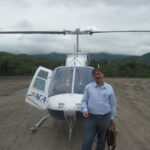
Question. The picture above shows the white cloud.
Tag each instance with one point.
(69, 15)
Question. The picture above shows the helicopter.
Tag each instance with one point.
(60, 91)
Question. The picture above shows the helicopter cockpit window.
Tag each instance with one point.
(83, 76)
(61, 81)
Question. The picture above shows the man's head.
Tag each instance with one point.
(98, 75)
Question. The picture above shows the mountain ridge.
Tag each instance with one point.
(96, 56)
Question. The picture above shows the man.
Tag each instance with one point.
(99, 109)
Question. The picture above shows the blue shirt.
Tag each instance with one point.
(99, 100)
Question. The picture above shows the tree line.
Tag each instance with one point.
(25, 65)
(130, 68)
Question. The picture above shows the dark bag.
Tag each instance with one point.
(111, 139)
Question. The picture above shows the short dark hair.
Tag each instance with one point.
(95, 70)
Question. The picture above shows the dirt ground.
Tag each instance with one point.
(16, 117)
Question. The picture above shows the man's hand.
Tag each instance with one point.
(86, 114)
(112, 125)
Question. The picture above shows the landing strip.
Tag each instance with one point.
(16, 117)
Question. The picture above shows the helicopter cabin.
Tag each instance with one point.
(70, 80)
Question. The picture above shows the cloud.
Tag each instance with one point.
(15, 3)
(69, 15)
(23, 25)
(126, 3)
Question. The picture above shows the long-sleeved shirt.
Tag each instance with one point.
(99, 100)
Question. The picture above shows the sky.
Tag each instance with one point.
(59, 15)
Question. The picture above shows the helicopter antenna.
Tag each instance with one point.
(88, 59)
(74, 49)
(74, 54)
(77, 40)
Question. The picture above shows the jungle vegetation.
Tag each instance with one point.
(26, 65)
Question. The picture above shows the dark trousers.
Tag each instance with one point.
(95, 125)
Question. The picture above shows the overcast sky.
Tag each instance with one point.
(70, 15)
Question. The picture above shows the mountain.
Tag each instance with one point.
(96, 56)
(144, 58)
(5, 53)
(52, 56)
(106, 56)
(101, 56)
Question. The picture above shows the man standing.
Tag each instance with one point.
(99, 109)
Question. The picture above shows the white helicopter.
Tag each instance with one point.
(60, 91)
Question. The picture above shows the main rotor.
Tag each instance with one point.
(76, 32)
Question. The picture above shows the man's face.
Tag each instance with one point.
(98, 76)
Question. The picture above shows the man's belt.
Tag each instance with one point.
(98, 115)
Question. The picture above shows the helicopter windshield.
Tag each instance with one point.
(62, 80)
(83, 76)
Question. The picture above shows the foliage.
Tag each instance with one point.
(14, 65)
(25, 65)
(130, 68)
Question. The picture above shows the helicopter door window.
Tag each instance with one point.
(83, 76)
(43, 74)
(40, 80)
(39, 84)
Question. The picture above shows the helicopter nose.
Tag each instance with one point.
(65, 102)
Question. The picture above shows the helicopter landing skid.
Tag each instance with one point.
(70, 122)
(38, 124)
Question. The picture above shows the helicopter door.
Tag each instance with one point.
(37, 94)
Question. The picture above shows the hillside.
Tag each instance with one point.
(112, 65)
(106, 56)
(102, 56)
(95, 56)
(52, 56)
(5, 53)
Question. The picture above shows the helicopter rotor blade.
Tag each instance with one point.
(35, 32)
(64, 32)
(112, 31)
(119, 31)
